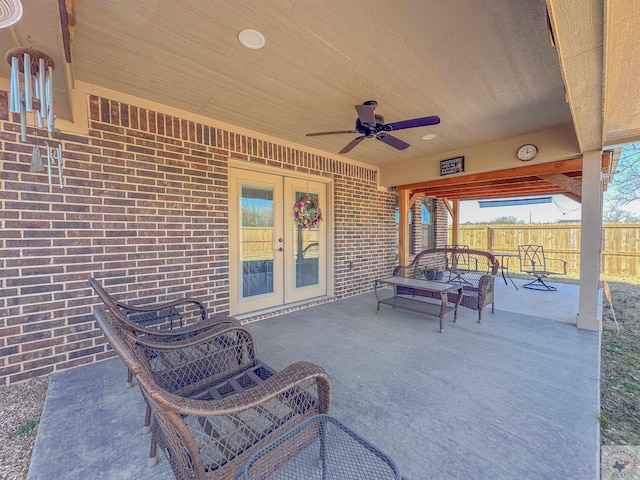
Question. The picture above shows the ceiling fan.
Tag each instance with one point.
(370, 125)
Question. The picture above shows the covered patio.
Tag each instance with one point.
(165, 118)
(513, 397)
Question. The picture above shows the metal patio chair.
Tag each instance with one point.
(534, 262)
(460, 262)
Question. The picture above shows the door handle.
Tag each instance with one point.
(281, 249)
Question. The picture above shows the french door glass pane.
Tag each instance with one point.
(306, 243)
(256, 237)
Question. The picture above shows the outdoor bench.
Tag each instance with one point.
(475, 270)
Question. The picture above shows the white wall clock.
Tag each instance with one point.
(527, 152)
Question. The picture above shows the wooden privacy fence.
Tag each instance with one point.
(620, 248)
(257, 242)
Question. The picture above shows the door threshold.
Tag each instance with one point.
(254, 316)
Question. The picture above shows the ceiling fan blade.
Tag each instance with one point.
(366, 115)
(330, 133)
(352, 144)
(392, 141)
(415, 122)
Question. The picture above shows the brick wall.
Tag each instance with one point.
(144, 208)
(440, 224)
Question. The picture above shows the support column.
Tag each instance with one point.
(403, 227)
(590, 242)
(455, 219)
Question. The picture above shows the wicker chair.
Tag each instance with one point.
(164, 322)
(213, 403)
(475, 270)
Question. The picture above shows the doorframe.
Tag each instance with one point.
(327, 216)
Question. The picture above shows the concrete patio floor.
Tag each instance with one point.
(515, 397)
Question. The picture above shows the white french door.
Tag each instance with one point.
(272, 260)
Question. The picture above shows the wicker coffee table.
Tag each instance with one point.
(319, 448)
(420, 304)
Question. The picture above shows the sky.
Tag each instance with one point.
(561, 208)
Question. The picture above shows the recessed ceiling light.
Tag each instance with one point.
(429, 136)
(251, 39)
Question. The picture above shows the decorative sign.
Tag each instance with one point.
(451, 165)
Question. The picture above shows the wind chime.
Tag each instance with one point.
(34, 95)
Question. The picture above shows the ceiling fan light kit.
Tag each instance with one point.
(370, 125)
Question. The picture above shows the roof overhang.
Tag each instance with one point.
(561, 177)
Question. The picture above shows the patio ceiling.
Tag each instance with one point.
(488, 69)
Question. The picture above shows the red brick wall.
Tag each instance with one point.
(441, 224)
(144, 208)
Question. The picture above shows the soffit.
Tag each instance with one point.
(486, 68)
(622, 71)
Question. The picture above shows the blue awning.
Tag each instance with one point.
(512, 202)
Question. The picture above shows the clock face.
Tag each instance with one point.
(527, 152)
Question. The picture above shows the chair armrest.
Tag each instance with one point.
(563, 262)
(170, 335)
(196, 337)
(164, 306)
(485, 284)
(281, 383)
(403, 271)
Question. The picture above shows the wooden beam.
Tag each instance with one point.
(413, 198)
(571, 185)
(548, 168)
(484, 193)
(64, 24)
(446, 204)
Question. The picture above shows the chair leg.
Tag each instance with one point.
(538, 284)
(153, 456)
(129, 379)
(147, 421)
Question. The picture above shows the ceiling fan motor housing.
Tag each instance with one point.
(370, 130)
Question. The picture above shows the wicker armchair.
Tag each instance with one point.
(475, 270)
(164, 322)
(213, 403)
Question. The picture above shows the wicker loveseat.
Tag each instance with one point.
(475, 270)
(213, 404)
